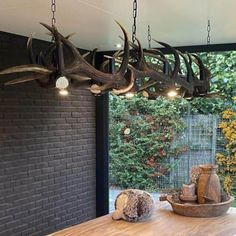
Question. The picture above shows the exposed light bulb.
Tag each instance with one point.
(189, 98)
(62, 82)
(145, 94)
(63, 92)
(129, 95)
(118, 45)
(172, 93)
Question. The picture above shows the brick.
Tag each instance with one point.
(28, 231)
(6, 232)
(6, 219)
(21, 214)
(20, 228)
(34, 172)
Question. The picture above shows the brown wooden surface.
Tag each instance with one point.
(163, 223)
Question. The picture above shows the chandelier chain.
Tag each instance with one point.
(149, 37)
(53, 9)
(134, 27)
(208, 32)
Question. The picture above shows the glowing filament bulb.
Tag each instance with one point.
(63, 92)
(129, 95)
(172, 93)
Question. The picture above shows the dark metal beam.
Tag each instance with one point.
(102, 189)
(102, 148)
(196, 48)
(205, 48)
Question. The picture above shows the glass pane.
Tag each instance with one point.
(155, 144)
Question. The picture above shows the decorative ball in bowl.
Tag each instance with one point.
(133, 205)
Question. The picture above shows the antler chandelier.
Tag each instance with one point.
(146, 71)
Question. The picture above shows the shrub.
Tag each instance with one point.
(227, 159)
(141, 137)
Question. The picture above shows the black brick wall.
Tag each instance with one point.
(47, 153)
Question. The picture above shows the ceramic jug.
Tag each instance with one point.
(188, 193)
(209, 190)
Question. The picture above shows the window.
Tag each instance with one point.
(154, 144)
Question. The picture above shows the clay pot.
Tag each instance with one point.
(209, 190)
(188, 193)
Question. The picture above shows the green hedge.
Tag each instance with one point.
(141, 137)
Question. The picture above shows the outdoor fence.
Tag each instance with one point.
(202, 139)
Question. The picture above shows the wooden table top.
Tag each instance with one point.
(164, 222)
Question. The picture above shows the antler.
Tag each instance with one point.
(103, 81)
(134, 71)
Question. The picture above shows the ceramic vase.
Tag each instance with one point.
(188, 193)
(208, 190)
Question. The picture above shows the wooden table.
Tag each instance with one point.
(163, 223)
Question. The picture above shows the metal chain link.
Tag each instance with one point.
(134, 26)
(208, 32)
(149, 37)
(53, 9)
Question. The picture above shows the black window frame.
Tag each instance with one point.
(102, 126)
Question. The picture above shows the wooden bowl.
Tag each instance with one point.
(200, 210)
